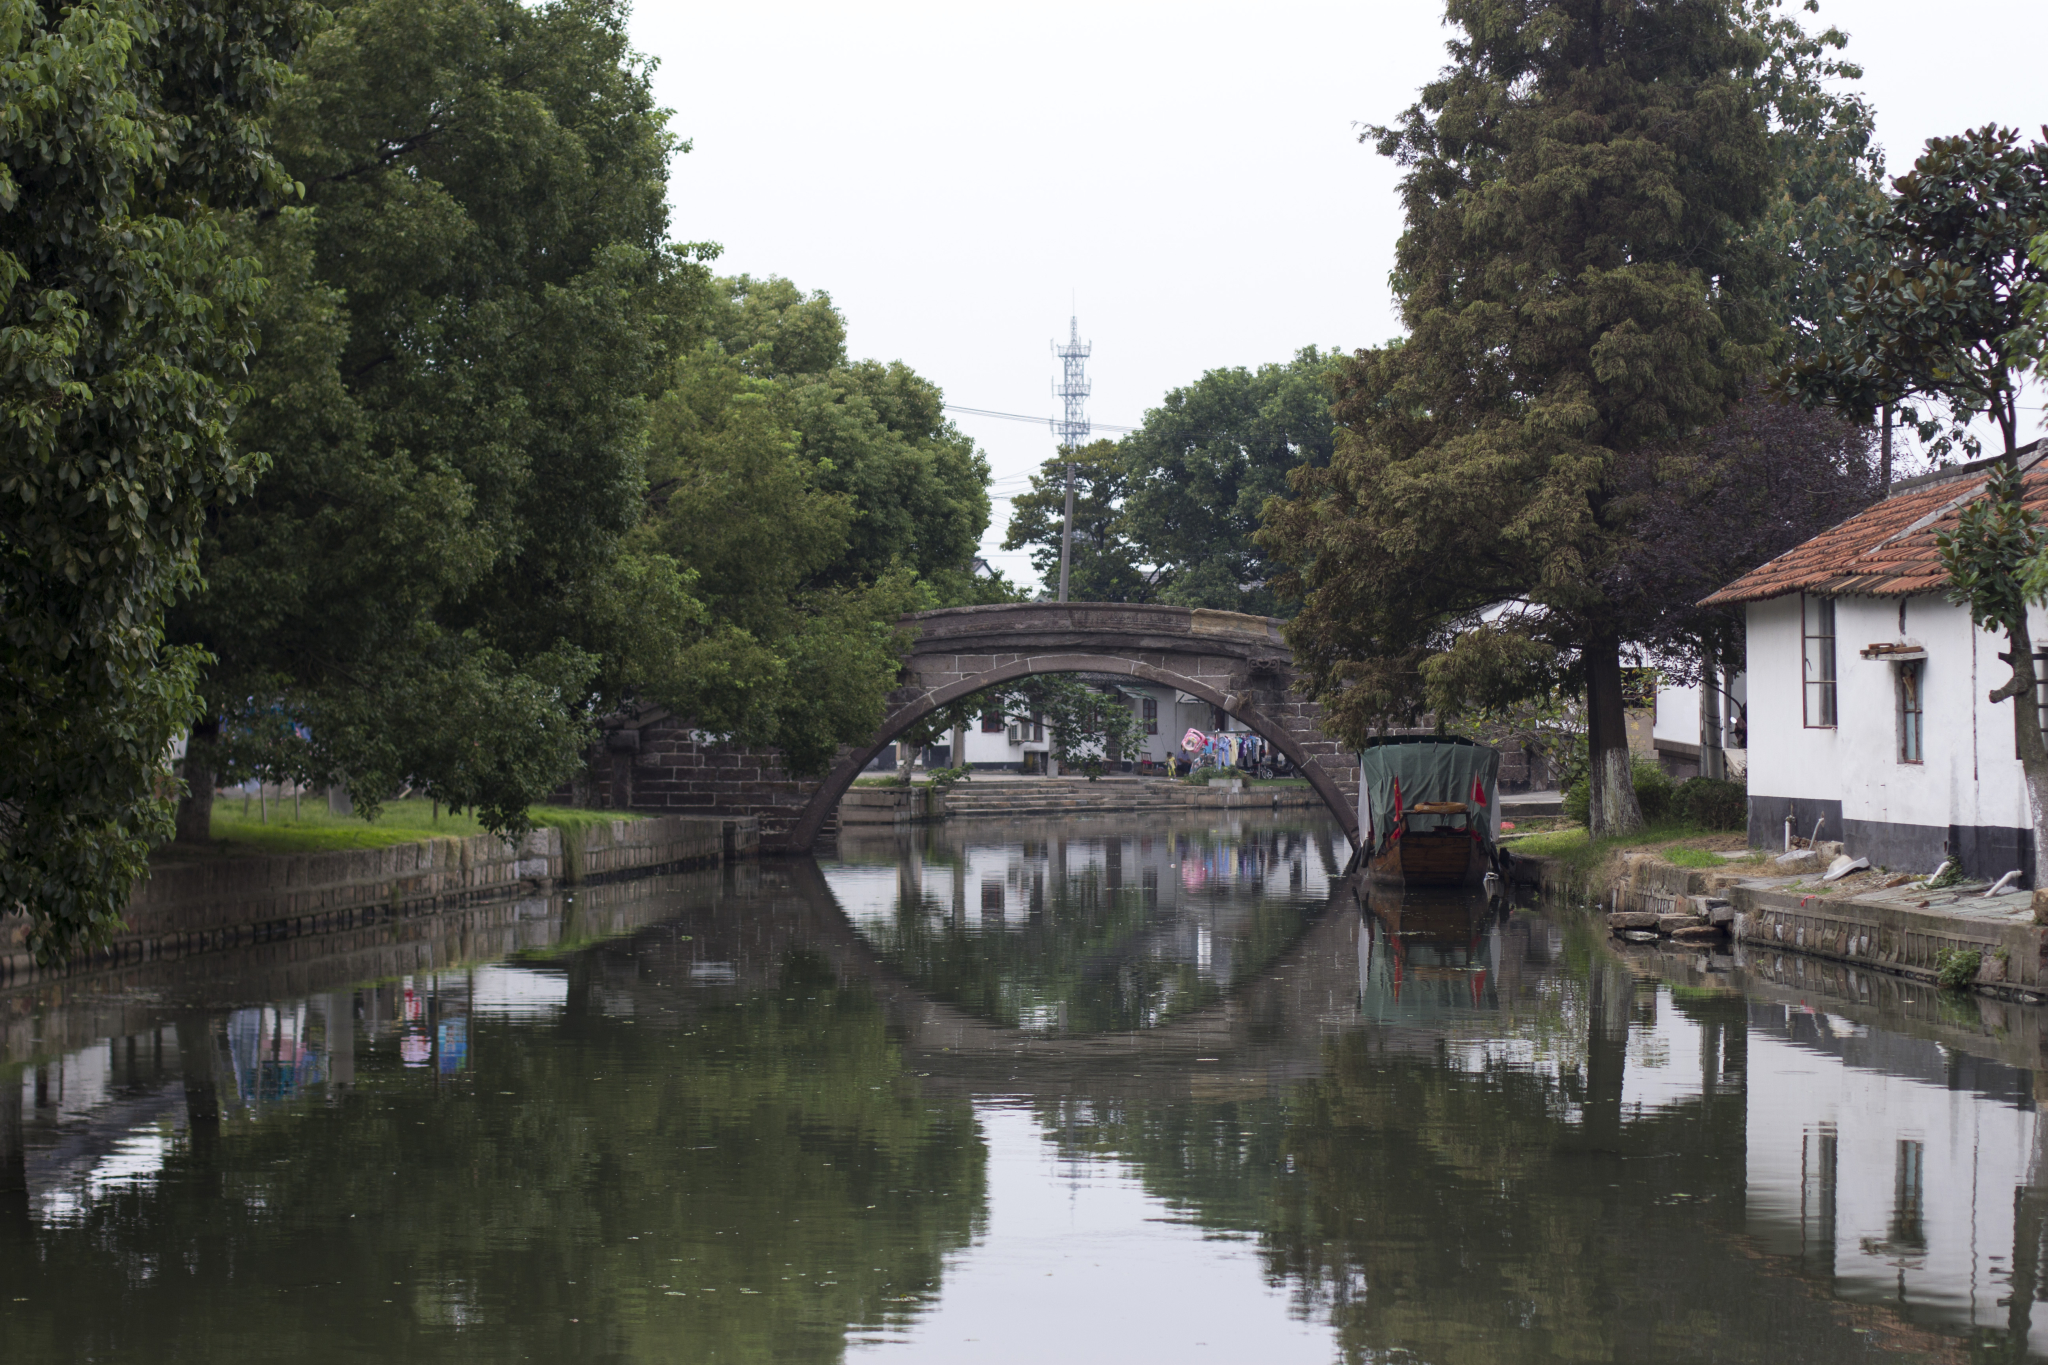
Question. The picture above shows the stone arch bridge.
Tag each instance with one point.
(653, 761)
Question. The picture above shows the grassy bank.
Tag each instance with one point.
(1592, 859)
(316, 830)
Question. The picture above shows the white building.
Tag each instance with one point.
(1021, 744)
(1868, 691)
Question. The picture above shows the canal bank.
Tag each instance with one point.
(987, 1091)
(208, 900)
(1871, 920)
(999, 797)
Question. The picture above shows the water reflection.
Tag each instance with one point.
(1040, 926)
(1113, 1093)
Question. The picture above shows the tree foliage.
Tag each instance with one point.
(430, 584)
(1204, 464)
(812, 500)
(1106, 565)
(1170, 513)
(130, 131)
(1942, 310)
(1704, 509)
(1581, 278)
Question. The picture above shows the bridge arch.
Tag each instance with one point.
(1342, 804)
(654, 761)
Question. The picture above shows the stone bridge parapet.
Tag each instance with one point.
(654, 761)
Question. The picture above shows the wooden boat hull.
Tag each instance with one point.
(1435, 858)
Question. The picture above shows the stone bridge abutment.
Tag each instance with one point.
(655, 762)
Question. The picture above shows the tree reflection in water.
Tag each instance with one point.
(737, 1123)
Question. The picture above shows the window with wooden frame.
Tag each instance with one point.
(2040, 694)
(1149, 713)
(991, 722)
(1911, 728)
(1817, 632)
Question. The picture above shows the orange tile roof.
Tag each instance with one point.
(1887, 550)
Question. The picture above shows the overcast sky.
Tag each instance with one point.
(1186, 178)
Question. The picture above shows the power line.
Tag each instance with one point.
(1052, 422)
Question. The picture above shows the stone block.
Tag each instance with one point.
(1698, 933)
(1632, 919)
(1671, 924)
(1797, 861)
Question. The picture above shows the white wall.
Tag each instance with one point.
(1969, 776)
(1678, 714)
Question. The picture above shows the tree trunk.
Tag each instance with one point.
(195, 807)
(1884, 459)
(1610, 771)
(2022, 691)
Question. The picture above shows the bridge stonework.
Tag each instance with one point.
(655, 762)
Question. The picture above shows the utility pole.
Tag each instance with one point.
(1072, 427)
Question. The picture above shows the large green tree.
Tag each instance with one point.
(1202, 467)
(812, 500)
(130, 130)
(1942, 310)
(1170, 512)
(1105, 565)
(1581, 277)
(433, 583)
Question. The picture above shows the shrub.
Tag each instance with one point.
(1653, 794)
(1957, 967)
(1711, 803)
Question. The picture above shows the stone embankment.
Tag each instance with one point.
(210, 902)
(1890, 924)
(1011, 797)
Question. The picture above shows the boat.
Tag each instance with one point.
(1430, 810)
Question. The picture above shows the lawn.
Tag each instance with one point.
(1685, 845)
(315, 830)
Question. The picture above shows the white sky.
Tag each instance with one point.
(1186, 177)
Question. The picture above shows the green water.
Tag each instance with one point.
(1118, 1091)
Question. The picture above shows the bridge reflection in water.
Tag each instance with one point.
(1015, 1092)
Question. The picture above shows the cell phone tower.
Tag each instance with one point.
(1071, 427)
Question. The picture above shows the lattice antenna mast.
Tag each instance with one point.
(1071, 427)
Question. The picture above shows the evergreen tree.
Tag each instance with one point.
(1581, 276)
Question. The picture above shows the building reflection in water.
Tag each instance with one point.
(1443, 1131)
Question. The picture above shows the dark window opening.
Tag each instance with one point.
(1817, 631)
(1910, 717)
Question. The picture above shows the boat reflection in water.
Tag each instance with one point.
(1427, 950)
(1128, 1090)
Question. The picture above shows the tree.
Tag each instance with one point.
(1202, 467)
(1997, 564)
(1581, 279)
(1942, 313)
(1705, 509)
(1829, 170)
(433, 582)
(130, 133)
(872, 502)
(1105, 564)
(1089, 724)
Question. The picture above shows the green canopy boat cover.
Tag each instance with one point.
(1426, 768)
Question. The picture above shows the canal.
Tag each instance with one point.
(1140, 1089)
